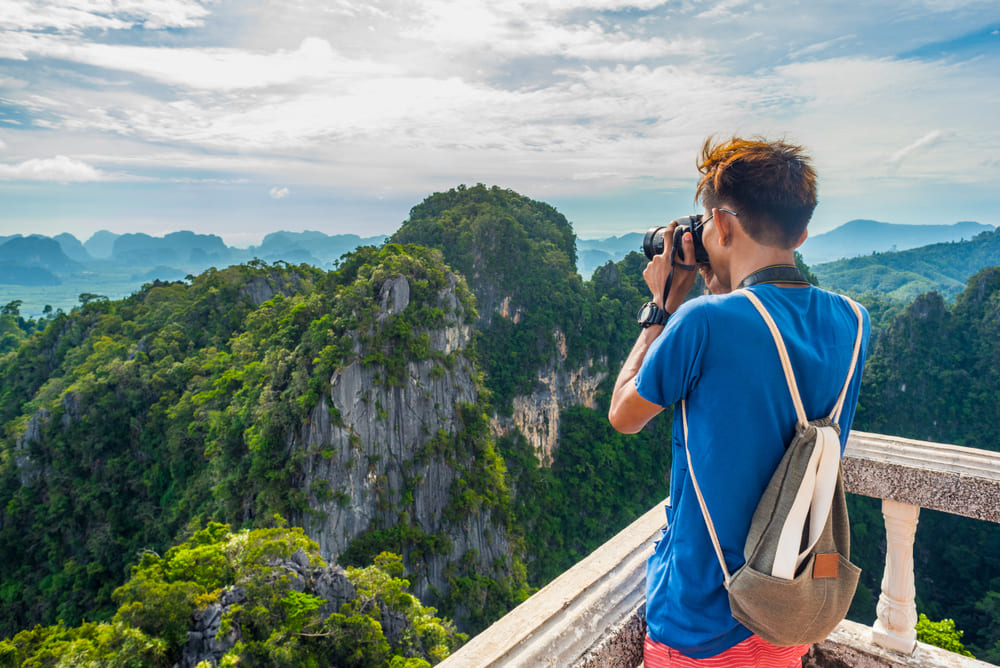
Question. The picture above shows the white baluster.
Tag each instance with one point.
(897, 612)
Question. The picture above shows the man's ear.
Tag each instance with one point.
(725, 225)
(802, 239)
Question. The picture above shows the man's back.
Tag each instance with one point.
(718, 354)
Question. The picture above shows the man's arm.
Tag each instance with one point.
(629, 412)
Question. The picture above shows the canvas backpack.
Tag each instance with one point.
(798, 580)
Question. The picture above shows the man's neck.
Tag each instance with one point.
(758, 257)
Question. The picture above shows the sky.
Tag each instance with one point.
(243, 117)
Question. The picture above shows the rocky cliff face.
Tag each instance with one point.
(536, 415)
(375, 450)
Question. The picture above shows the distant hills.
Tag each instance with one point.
(594, 253)
(944, 268)
(856, 237)
(54, 270)
(898, 261)
(863, 237)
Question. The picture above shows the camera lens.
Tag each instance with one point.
(652, 243)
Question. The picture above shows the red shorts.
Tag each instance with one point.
(754, 652)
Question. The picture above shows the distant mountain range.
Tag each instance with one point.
(854, 238)
(944, 268)
(117, 264)
(863, 237)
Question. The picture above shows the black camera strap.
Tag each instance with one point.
(777, 273)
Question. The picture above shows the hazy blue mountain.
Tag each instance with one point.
(116, 265)
(863, 237)
(100, 244)
(309, 246)
(15, 274)
(178, 248)
(594, 253)
(73, 248)
(37, 251)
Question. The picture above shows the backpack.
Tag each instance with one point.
(798, 580)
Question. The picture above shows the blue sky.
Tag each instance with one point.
(241, 117)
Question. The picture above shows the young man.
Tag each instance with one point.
(718, 354)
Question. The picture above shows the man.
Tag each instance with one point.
(717, 353)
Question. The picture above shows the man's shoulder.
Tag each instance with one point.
(797, 303)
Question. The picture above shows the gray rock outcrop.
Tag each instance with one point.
(375, 451)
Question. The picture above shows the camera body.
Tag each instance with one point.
(653, 242)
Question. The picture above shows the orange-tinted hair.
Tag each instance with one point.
(771, 185)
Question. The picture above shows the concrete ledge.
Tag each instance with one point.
(949, 478)
(587, 614)
(850, 646)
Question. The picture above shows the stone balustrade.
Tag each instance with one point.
(593, 614)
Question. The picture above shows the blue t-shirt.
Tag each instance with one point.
(718, 354)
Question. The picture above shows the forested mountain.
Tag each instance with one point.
(903, 275)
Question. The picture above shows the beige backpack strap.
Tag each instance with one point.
(786, 364)
(701, 500)
(839, 406)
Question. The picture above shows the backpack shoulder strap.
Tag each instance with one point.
(786, 364)
(839, 406)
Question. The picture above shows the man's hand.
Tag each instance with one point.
(656, 272)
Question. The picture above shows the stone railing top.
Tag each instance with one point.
(949, 478)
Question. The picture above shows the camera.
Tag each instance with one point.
(652, 243)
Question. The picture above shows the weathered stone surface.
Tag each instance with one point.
(393, 298)
(370, 437)
(949, 478)
(850, 646)
(621, 646)
(71, 409)
(28, 470)
(204, 642)
(260, 289)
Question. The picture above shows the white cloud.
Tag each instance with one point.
(279, 193)
(928, 139)
(60, 169)
(74, 16)
(209, 69)
(820, 46)
(515, 28)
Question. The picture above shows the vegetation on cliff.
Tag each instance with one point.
(126, 420)
(270, 613)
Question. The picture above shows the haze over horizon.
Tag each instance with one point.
(240, 119)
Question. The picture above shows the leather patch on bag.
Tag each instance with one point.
(826, 565)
